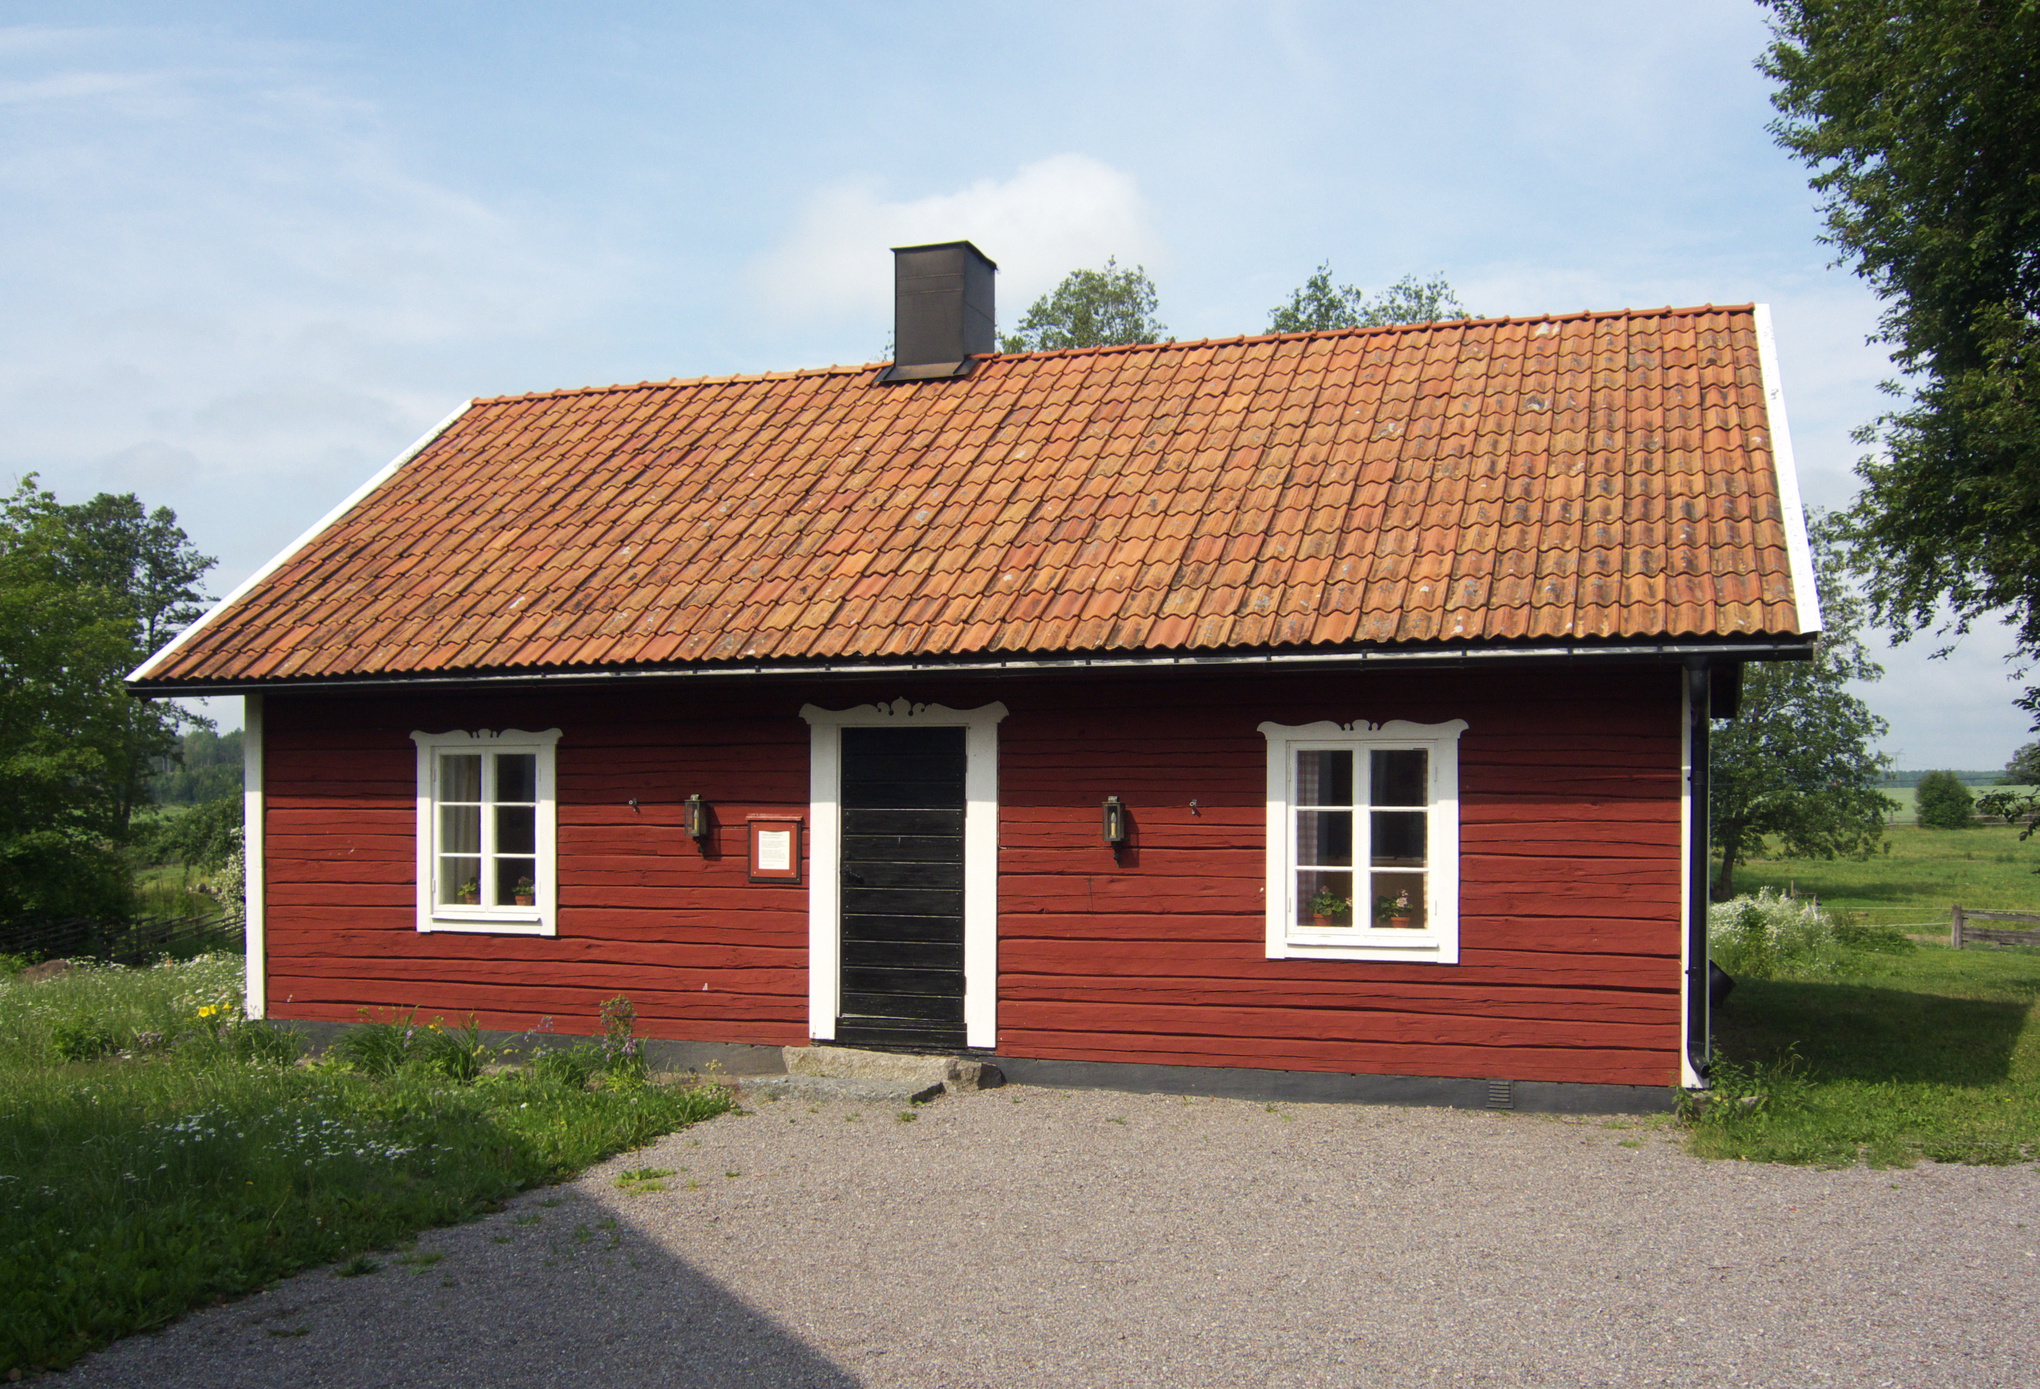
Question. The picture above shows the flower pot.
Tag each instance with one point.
(470, 899)
(1402, 923)
(1320, 919)
(525, 899)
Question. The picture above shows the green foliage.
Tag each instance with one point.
(1318, 304)
(1770, 936)
(1944, 802)
(1798, 761)
(206, 837)
(169, 1005)
(206, 767)
(1091, 308)
(1931, 1054)
(85, 593)
(207, 1168)
(2016, 807)
(1921, 121)
(2024, 768)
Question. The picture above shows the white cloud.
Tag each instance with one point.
(1049, 218)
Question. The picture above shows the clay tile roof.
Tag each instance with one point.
(1596, 477)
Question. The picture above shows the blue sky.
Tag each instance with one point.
(249, 252)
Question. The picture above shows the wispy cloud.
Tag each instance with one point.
(231, 290)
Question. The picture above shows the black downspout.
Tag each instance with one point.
(1698, 708)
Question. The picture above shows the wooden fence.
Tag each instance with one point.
(129, 940)
(1960, 931)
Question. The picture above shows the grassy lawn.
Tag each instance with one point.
(1926, 872)
(157, 1153)
(1893, 1058)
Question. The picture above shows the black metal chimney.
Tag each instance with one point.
(942, 310)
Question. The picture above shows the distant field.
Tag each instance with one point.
(1904, 795)
(1926, 872)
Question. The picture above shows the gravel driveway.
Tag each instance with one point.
(1033, 1237)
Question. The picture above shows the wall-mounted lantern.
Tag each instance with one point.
(1115, 822)
(697, 817)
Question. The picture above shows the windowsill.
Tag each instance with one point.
(520, 923)
(1420, 947)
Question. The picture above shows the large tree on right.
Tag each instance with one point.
(1921, 121)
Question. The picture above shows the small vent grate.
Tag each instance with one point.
(1501, 1094)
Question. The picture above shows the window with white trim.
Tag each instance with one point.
(1363, 841)
(486, 823)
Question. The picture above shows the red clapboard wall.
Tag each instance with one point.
(702, 952)
(1570, 872)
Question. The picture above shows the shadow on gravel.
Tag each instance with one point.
(575, 1297)
(1853, 1032)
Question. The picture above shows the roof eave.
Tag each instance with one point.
(1785, 647)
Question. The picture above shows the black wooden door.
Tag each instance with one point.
(902, 885)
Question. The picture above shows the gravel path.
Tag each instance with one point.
(1033, 1237)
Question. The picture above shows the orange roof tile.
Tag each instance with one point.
(1594, 477)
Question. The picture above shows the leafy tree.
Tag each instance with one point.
(1091, 308)
(206, 768)
(204, 838)
(1798, 762)
(83, 592)
(2024, 768)
(1921, 122)
(1318, 304)
(1944, 803)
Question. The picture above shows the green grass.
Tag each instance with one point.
(1932, 1054)
(173, 1172)
(1926, 872)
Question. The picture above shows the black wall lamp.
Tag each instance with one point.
(1115, 822)
(697, 817)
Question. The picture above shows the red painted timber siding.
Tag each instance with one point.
(704, 953)
(1570, 884)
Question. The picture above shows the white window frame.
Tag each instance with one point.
(542, 917)
(1438, 942)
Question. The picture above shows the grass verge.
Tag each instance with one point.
(153, 1160)
(1926, 872)
(1892, 1059)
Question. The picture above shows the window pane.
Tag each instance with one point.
(1398, 838)
(516, 776)
(1324, 837)
(514, 876)
(1324, 778)
(460, 777)
(460, 880)
(1399, 900)
(1324, 899)
(460, 829)
(516, 829)
(1401, 778)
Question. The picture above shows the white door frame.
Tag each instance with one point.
(980, 855)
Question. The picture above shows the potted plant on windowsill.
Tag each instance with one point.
(524, 893)
(1330, 909)
(1395, 912)
(470, 892)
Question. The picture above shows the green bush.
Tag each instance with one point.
(1943, 802)
(1769, 936)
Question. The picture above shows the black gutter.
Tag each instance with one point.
(1798, 648)
(1699, 1045)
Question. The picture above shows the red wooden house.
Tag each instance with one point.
(1329, 704)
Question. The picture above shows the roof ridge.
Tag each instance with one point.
(833, 369)
(1237, 339)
